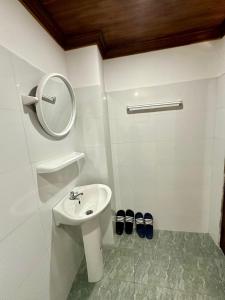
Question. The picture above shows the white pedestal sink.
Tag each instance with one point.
(85, 212)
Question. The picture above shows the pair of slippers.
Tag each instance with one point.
(124, 221)
(144, 224)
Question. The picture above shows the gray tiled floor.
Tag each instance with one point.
(173, 265)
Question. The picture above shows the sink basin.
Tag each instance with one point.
(85, 212)
(94, 200)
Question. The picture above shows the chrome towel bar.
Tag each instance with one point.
(136, 109)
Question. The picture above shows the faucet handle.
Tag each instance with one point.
(72, 195)
(75, 195)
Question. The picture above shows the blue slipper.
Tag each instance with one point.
(140, 227)
(148, 219)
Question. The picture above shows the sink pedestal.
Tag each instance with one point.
(93, 249)
(85, 213)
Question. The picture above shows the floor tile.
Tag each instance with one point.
(104, 290)
(143, 292)
(173, 265)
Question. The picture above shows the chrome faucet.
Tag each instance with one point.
(75, 196)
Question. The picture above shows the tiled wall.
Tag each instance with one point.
(162, 160)
(218, 162)
(92, 135)
(37, 259)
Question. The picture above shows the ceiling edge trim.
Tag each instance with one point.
(176, 40)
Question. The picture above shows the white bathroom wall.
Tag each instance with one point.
(221, 58)
(218, 152)
(85, 69)
(90, 135)
(23, 35)
(167, 66)
(162, 160)
(218, 157)
(38, 260)
(84, 66)
(47, 257)
(48, 267)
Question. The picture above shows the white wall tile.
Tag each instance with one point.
(13, 146)
(194, 124)
(198, 151)
(165, 175)
(51, 188)
(92, 137)
(8, 97)
(197, 95)
(220, 92)
(26, 76)
(217, 184)
(189, 174)
(131, 153)
(20, 252)
(166, 152)
(163, 67)
(36, 285)
(132, 130)
(220, 123)
(162, 161)
(166, 126)
(19, 198)
(89, 102)
(28, 241)
(36, 136)
(126, 187)
(94, 169)
(91, 130)
(218, 156)
(66, 255)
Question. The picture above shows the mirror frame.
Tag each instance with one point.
(39, 107)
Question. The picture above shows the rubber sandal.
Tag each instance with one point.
(129, 221)
(148, 219)
(120, 217)
(140, 227)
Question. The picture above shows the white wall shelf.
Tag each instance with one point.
(56, 164)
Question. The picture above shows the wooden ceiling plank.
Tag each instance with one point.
(164, 43)
(127, 27)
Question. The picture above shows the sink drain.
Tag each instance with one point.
(89, 212)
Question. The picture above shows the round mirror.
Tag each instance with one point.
(56, 106)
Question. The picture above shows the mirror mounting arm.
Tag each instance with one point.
(28, 100)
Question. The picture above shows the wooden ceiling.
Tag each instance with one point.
(123, 27)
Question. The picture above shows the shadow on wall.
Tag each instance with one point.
(31, 112)
(53, 185)
(65, 242)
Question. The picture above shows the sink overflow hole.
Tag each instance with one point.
(88, 212)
